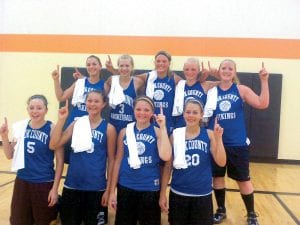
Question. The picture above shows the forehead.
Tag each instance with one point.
(125, 61)
(143, 104)
(228, 63)
(162, 57)
(92, 60)
(36, 101)
(190, 65)
(192, 106)
(94, 95)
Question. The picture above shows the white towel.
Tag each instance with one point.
(134, 161)
(116, 94)
(150, 83)
(82, 135)
(179, 98)
(179, 161)
(78, 94)
(211, 103)
(19, 129)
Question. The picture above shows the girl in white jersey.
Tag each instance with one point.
(36, 186)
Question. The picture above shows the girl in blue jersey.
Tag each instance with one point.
(160, 85)
(36, 186)
(230, 115)
(193, 87)
(85, 193)
(78, 91)
(190, 198)
(136, 170)
(121, 113)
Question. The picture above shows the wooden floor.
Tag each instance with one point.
(277, 198)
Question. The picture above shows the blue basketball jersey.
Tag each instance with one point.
(123, 113)
(146, 178)
(87, 170)
(80, 109)
(196, 179)
(39, 166)
(194, 91)
(164, 93)
(230, 115)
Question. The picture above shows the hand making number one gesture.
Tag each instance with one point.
(4, 128)
(160, 118)
(218, 130)
(63, 112)
(263, 73)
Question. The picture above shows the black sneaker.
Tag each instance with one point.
(220, 215)
(252, 219)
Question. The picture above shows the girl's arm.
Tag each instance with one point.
(111, 151)
(139, 85)
(59, 166)
(257, 101)
(112, 202)
(163, 142)
(58, 137)
(165, 178)
(7, 147)
(59, 93)
(216, 144)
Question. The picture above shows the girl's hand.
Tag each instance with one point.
(4, 128)
(213, 71)
(218, 130)
(160, 118)
(64, 111)
(55, 73)
(112, 201)
(263, 73)
(77, 74)
(52, 198)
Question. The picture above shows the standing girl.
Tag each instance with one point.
(190, 198)
(123, 90)
(136, 170)
(35, 191)
(229, 104)
(78, 91)
(192, 86)
(85, 193)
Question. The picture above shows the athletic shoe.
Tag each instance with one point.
(220, 215)
(252, 219)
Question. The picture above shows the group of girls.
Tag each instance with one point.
(127, 163)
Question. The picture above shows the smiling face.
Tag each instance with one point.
(125, 67)
(95, 103)
(162, 64)
(143, 111)
(192, 114)
(93, 66)
(191, 71)
(37, 110)
(227, 71)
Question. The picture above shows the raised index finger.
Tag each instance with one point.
(216, 121)
(76, 70)
(262, 65)
(109, 59)
(5, 121)
(161, 110)
(202, 66)
(57, 68)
